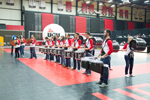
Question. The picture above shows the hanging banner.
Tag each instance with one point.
(0, 1)
(136, 14)
(121, 13)
(91, 9)
(68, 6)
(9, 2)
(140, 15)
(42, 4)
(126, 14)
(84, 8)
(110, 11)
(104, 10)
(32, 3)
(60, 5)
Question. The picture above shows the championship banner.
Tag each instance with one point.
(121, 13)
(140, 15)
(136, 14)
(42, 4)
(91, 9)
(84, 8)
(9, 2)
(0, 1)
(110, 11)
(126, 14)
(68, 6)
(32, 3)
(104, 10)
(60, 5)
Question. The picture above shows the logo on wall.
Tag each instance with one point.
(126, 14)
(32, 3)
(52, 30)
(68, 6)
(104, 10)
(60, 5)
(121, 13)
(84, 8)
(42, 4)
(140, 15)
(0, 1)
(9, 2)
(110, 11)
(136, 15)
(91, 9)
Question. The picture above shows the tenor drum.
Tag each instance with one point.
(68, 53)
(79, 54)
(116, 46)
(41, 49)
(59, 51)
(96, 66)
(85, 62)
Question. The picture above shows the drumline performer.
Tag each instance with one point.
(62, 42)
(17, 47)
(105, 53)
(47, 46)
(66, 46)
(32, 47)
(129, 58)
(57, 43)
(22, 46)
(52, 43)
(76, 46)
(88, 47)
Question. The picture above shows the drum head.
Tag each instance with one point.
(132, 44)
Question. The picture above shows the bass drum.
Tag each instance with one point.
(137, 44)
(116, 46)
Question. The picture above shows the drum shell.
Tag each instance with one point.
(116, 46)
(79, 55)
(45, 50)
(68, 54)
(53, 50)
(85, 64)
(59, 51)
(40, 49)
(96, 67)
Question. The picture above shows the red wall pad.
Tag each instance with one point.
(108, 24)
(47, 19)
(130, 25)
(80, 24)
(147, 25)
(14, 27)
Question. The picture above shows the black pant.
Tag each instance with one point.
(12, 47)
(17, 52)
(129, 62)
(32, 51)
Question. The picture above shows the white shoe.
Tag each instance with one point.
(78, 71)
(127, 75)
(23, 56)
(131, 75)
(103, 85)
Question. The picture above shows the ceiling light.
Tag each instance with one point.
(110, 1)
(101, 4)
(88, 2)
(146, 1)
(112, 5)
(71, 0)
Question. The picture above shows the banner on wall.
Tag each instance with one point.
(110, 11)
(140, 15)
(84, 8)
(0, 1)
(9, 2)
(60, 5)
(136, 14)
(42, 4)
(32, 3)
(126, 14)
(91, 9)
(121, 13)
(104, 10)
(68, 6)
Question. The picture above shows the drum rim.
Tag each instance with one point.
(96, 61)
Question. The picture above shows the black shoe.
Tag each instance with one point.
(30, 58)
(100, 82)
(73, 69)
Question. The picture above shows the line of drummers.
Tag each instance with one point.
(65, 49)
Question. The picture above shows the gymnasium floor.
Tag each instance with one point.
(26, 79)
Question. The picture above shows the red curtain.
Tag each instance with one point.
(108, 24)
(130, 25)
(14, 27)
(47, 19)
(147, 25)
(80, 24)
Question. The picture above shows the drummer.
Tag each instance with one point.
(105, 53)
(17, 47)
(76, 45)
(52, 43)
(32, 47)
(67, 46)
(88, 47)
(62, 42)
(22, 46)
(57, 43)
(46, 45)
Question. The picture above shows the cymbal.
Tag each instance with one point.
(12, 42)
(28, 40)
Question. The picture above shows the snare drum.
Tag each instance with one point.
(96, 66)
(41, 49)
(68, 53)
(45, 50)
(59, 51)
(53, 50)
(79, 54)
